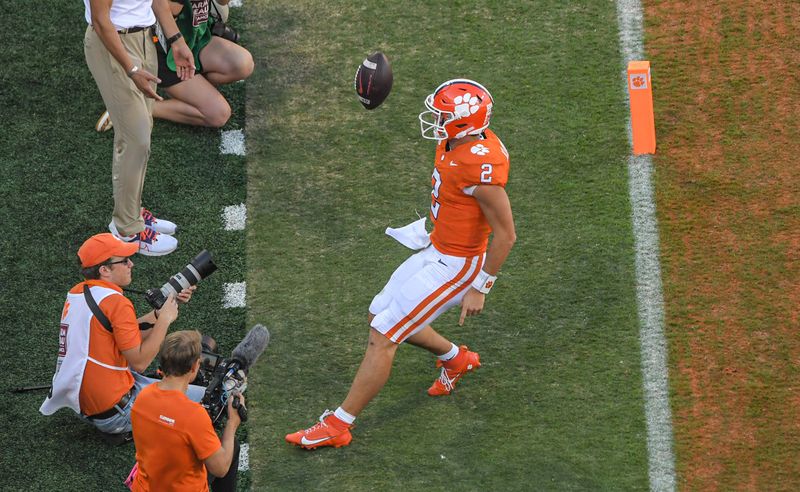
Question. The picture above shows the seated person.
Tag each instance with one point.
(174, 437)
(196, 101)
(103, 347)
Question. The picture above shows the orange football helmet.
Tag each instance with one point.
(457, 108)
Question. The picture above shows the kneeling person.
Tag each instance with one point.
(174, 437)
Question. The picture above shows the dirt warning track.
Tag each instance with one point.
(727, 103)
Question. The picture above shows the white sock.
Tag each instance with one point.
(450, 354)
(344, 416)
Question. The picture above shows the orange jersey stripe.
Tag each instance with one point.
(439, 304)
(429, 305)
(429, 299)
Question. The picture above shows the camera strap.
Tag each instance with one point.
(101, 317)
(218, 17)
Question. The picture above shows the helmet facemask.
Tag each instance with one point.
(433, 121)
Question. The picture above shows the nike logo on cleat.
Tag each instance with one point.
(309, 442)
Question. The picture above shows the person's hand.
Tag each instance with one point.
(233, 414)
(471, 304)
(142, 79)
(186, 294)
(169, 311)
(184, 59)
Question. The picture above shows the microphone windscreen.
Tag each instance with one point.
(251, 346)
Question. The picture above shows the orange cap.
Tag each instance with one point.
(101, 247)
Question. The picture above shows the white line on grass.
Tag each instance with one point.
(235, 3)
(232, 142)
(244, 457)
(649, 295)
(235, 217)
(234, 295)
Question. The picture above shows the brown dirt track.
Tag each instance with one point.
(727, 91)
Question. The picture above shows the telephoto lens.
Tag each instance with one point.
(199, 268)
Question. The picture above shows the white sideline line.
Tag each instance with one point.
(234, 295)
(232, 142)
(244, 457)
(235, 3)
(650, 298)
(235, 217)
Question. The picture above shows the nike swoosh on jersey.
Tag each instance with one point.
(453, 164)
(443, 263)
(308, 442)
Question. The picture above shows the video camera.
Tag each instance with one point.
(223, 377)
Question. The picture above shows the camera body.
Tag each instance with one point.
(222, 378)
(225, 31)
(199, 268)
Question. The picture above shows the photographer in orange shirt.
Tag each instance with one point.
(174, 437)
(103, 347)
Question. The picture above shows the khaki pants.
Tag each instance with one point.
(132, 115)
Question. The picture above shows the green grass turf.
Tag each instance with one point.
(56, 191)
(558, 403)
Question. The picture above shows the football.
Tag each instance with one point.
(373, 80)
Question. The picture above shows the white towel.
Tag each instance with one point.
(413, 236)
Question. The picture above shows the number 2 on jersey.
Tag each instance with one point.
(436, 182)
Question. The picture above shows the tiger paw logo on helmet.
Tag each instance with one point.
(479, 149)
(466, 105)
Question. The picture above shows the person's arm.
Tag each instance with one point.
(140, 357)
(221, 2)
(184, 58)
(107, 32)
(496, 207)
(175, 7)
(219, 463)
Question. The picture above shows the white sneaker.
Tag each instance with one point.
(161, 226)
(150, 242)
(104, 123)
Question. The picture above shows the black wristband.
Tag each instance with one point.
(174, 38)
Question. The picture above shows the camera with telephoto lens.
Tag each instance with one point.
(225, 31)
(199, 268)
(223, 377)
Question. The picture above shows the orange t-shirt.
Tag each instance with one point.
(173, 436)
(460, 228)
(102, 387)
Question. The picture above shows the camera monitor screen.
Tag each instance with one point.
(209, 360)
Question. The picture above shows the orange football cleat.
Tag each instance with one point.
(327, 432)
(453, 370)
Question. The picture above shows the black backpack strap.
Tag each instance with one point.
(101, 317)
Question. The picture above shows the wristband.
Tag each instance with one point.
(483, 282)
(174, 38)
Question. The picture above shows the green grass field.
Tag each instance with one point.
(57, 192)
(557, 404)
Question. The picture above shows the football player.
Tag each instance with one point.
(468, 202)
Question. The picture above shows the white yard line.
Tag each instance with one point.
(244, 457)
(235, 217)
(235, 3)
(649, 294)
(232, 142)
(234, 295)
